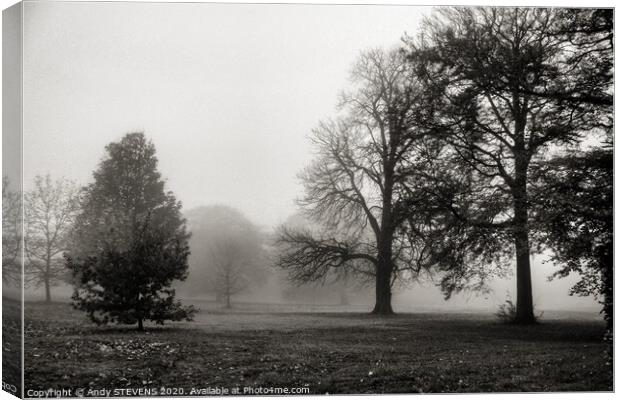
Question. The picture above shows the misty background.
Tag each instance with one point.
(228, 93)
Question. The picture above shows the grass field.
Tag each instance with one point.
(11, 345)
(323, 352)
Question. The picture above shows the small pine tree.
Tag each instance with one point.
(129, 241)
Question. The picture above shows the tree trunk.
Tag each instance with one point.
(608, 297)
(385, 236)
(228, 301)
(383, 301)
(383, 289)
(140, 325)
(48, 293)
(48, 265)
(525, 304)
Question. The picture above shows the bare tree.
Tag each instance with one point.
(230, 261)
(503, 74)
(11, 233)
(229, 253)
(236, 260)
(50, 208)
(358, 189)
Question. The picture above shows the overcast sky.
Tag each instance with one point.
(228, 93)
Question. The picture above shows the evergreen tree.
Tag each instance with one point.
(129, 242)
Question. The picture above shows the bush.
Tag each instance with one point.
(507, 312)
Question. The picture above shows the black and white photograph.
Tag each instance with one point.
(211, 199)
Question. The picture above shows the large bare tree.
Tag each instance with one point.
(357, 190)
(504, 78)
(50, 209)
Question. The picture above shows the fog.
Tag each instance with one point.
(228, 94)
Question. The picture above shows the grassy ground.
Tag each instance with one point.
(11, 345)
(324, 352)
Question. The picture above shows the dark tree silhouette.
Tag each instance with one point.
(577, 213)
(50, 208)
(358, 188)
(129, 242)
(501, 72)
(574, 217)
(574, 203)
